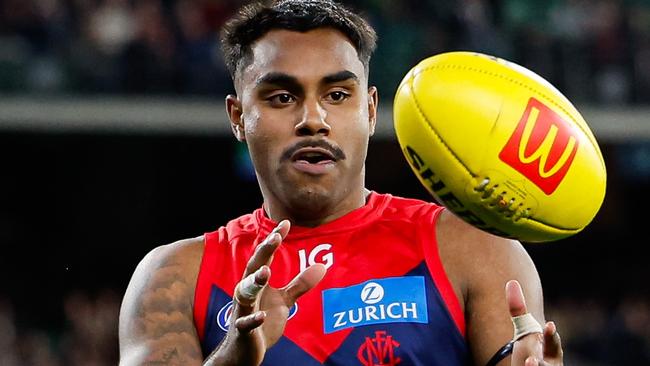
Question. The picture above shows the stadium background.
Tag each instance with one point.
(113, 140)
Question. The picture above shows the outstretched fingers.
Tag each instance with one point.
(524, 322)
(528, 348)
(255, 278)
(264, 251)
(536, 345)
(247, 290)
(248, 323)
(552, 343)
(244, 316)
(304, 281)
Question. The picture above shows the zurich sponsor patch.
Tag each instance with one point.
(386, 300)
(225, 313)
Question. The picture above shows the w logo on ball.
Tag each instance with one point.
(542, 146)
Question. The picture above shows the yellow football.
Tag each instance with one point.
(499, 146)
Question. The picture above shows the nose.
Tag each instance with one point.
(313, 120)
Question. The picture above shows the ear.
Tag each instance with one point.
(373, 102)
(234, 110)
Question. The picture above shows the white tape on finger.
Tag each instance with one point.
(248, 288)
(525, 325)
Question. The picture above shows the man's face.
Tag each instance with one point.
(306, 113)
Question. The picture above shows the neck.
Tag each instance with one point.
(311, 214)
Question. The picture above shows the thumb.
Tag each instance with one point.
(528, 348)
(305, 281)
(515, 298)
(523, 321)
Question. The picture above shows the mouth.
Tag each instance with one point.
(313, 160)
(313, 155)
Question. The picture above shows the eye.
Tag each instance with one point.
(338, 96)
(283, 98)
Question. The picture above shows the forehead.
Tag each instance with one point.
(305, 55)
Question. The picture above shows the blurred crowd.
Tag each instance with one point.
(593, 50)
(593, 334)
(88, 336)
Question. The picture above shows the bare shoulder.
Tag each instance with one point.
(479, 264)
(184, 255)
(473, 256)
(156, 317)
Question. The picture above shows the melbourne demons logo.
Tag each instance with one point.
(379, 350)
(542, 147)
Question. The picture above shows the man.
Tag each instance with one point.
(326, 272)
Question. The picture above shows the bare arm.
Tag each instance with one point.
(479, 265)
(488, 318)
(156, 318)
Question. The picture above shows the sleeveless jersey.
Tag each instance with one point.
(385, 299)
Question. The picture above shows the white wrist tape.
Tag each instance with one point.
(525, 325)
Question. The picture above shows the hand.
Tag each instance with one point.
(535, 349)
(260, 311)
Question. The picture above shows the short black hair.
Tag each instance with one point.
(253, 21)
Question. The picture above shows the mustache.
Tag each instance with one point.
(333, 149)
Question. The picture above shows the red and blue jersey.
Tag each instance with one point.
(385, 299)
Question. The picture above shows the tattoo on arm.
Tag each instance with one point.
(167, 358)
(159, 319)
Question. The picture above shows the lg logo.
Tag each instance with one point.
(315, 256)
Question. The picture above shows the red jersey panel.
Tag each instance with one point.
(385, 299)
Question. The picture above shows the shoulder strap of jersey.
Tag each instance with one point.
(203, 283)
(427, 233)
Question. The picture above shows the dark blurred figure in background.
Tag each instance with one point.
(148, 60)
(89, 337)
(91, 333)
